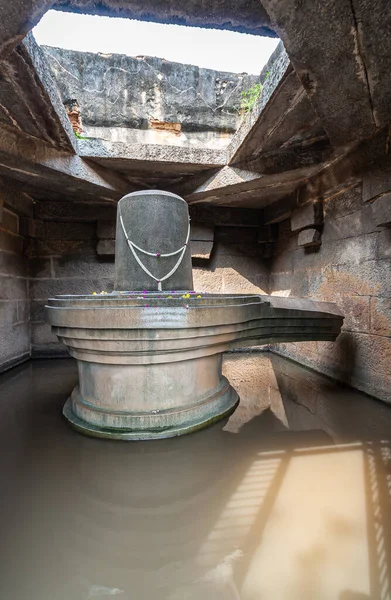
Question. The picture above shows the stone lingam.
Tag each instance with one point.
(149, 354)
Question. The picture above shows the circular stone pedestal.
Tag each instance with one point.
(150, 365)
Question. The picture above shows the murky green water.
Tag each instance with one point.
(290, 500)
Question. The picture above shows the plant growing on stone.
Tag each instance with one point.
(250, 96)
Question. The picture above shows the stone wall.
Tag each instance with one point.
(14, 287)
(72, 253)
(351, 267)
(150, 100)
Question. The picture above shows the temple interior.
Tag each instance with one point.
(287, 178)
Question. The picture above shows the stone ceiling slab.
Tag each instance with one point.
(246, 16)
(323, 43)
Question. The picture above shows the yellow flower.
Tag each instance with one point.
(169, 296)
(94, 293)
(198, 296)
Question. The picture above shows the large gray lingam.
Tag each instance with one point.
(150, 353)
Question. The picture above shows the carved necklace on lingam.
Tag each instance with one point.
(133, 247)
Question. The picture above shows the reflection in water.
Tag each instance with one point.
(288, 499)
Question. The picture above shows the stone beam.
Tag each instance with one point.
(246, 16)
(256, 191)
(155, 164)
(278, 68)
(52, 113)
(40, 165)
(324, 45)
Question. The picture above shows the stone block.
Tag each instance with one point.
(77, 211)
(238, 250)
(201, 233)
(381, 211)
(368, 278)
(309, 238)
(280, 210)
(267, 250)
(42, 289)
(37, 310)
(384, 246)
(41, 334)
(341, 252)
(13, 264)
(236, 235)
(377, 181)
(23, 310)
(356, 310)
(381, 316)
(201, 249)
(267, 234)
(70, 231)
(207, 281)
(11, 242)
(83, 266)
(283, 262)
(40, 267)
(279, 282)
(10, 221)
(31, 228)
(17, 201)
(106, 248)
(8, 313)
(353, 225)
(308, 215)
(13, 288)
(343, 203)
(55, 247)
(15, 345)
(106, 229)
(222, 215)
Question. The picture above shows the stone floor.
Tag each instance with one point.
(290, 499)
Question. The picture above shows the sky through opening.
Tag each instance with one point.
(207, 48)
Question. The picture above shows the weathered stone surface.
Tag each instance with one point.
(266, 234)
(17, 20)
(201, 249)
(59, 247)
(381, 316)
(278, 67)
(10, 221)
(377, 180)
(308, 215)
(197, 99)
(242, 16)
(221, 215)
(74, 211)
(70, 231)
(10, 242)
(82, 266)
(41, 165)
(105, 248)
(384, 241)
(344, 202)
(309, 238)
(105, 229)
(355, 224)
(167, 216)
(328, 39)
(31, 228)
(381, 210)
(201, 233)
